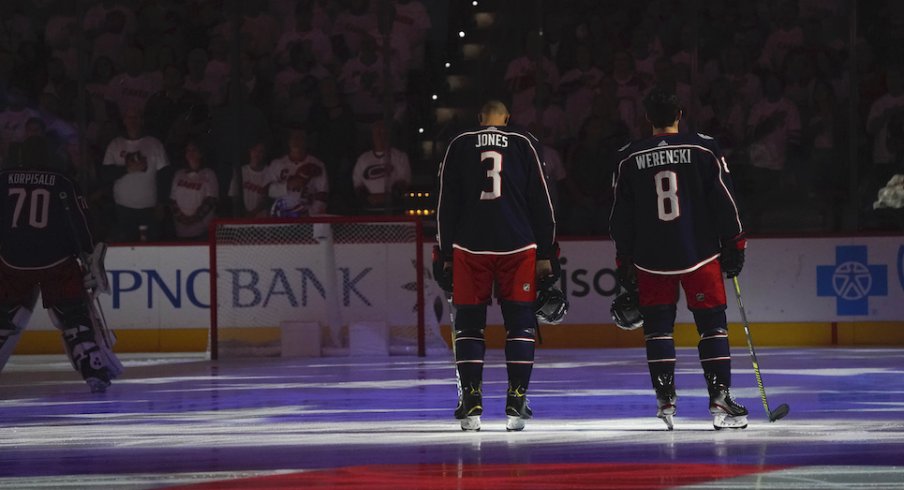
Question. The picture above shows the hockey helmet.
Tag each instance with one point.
(625, 311)
(551, 306)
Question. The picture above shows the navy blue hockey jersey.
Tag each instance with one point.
(493, 194)
(35, 231)
(674, 203)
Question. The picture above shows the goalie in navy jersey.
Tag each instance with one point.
(43, 229)
(675, 222)
(496, 228)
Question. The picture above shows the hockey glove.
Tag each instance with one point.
(441, 273)
(94, 276)
(731, 257)
(626, 274)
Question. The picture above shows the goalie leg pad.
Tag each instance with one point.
(88, 354)
(520, 342)
(470, 344)
(714, 350)
(95, 273)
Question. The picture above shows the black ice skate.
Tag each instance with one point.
(470, 408)
(516, 409)
(664, 384)
(726, 412)
(666, 407)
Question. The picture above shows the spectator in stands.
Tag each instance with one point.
(95, 21)
(414, 22)
(201, 81)
(643, 54)
(304, 30)
(331, 119)
(193, 196)
(13, 119)
(361, 81)
(132, 88)
(260, 30)
(132, 163)
(174, 112)
(589, 171)
(353, 26)
(774, 134)
(577, 87)
(235, 126)
(382, 174)
(298, 180)
(64, 88)
(254, 181)
(787, 35)
(723, 117)
(296, 86)
(523, 75)
(546, 112)
(824, 133)
(629, 91)
(60, 35)
(112, 40)
(882, 110)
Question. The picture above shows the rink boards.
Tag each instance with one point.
(797, 291)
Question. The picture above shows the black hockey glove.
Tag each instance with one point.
(544, 282)
(626, 274)
(731, 257)
(441, 274)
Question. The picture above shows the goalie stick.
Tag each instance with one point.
(782, 409)
(95, 312)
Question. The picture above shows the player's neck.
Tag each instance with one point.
(673, 129)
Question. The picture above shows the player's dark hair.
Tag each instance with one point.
(662, 107)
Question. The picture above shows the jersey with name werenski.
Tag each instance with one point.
(35, 231)
(674, 203)
(493, 194)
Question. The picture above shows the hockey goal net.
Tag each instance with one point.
(331, 276)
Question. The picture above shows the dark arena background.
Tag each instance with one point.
(264, 348)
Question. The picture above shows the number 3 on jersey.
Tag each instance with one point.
(667, 195)
(494, 174)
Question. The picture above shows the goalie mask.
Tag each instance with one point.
(551, 306)
(625, 311)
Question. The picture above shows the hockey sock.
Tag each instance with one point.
(470, 345)
(520, 343)
(659, 323)
(714, 350)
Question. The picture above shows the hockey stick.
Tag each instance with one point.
(782, 409)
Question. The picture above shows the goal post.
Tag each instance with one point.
(333, 276)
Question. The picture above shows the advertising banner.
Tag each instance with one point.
(784, 280)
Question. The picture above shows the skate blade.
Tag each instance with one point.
(669, 420)
(97, 385)
(725, 421)
(471, 423)
(514, 423)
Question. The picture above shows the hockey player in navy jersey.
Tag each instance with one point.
(43, 229)
(675, 222)
(496, 228)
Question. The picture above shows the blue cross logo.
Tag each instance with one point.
(851, 280)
